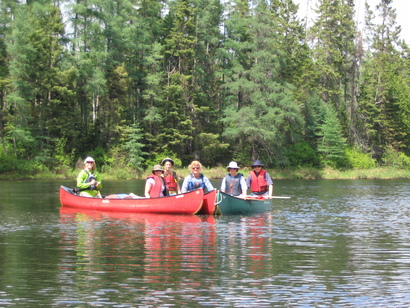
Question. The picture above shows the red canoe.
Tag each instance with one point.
(185, 204)
(208, 206)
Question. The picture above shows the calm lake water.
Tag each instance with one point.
(333, 244)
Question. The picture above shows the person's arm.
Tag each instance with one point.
(82, 176)
(244, 187)
(176, 181)
(271, 190)
(208, 184)
(185, 185)
(148, 186)
(223, 185)
(270, 183)
(98, 183)
(248, 181)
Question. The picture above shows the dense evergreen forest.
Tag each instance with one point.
(133, 81)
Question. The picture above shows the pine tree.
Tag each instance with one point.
(332, 144)
(333, 39)
(384, 89)
(261, 110)
(34, 46)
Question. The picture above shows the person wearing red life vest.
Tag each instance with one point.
(170, 177)
(259, 181)
(155, 185)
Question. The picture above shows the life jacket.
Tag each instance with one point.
(171, 180)
(155, 191)
(258, 182)
(233, 184)
(195, 184)
(89, 178)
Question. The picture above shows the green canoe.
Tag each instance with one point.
(229, 205)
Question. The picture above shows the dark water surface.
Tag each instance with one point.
(333, 244)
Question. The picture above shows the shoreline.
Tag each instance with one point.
(382, 173)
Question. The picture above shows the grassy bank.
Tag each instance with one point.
(219, 172)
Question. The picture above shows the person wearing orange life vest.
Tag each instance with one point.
(155, 185)
(170, 177)
(234, 183)
(259, 181)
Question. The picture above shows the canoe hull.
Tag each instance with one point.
(183, 204)
(208, 206)
(229, 205)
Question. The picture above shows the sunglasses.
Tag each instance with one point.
(196, 167)
(89, 162)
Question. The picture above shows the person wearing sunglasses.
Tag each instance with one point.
(234, 182)
(196, 179)
(88, 181)
(259, 181)
(155, 185)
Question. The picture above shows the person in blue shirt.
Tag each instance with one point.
(196, 179)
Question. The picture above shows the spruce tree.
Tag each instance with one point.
(385, 84)
(261, 110)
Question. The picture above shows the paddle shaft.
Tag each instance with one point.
(279, 197)
(273, 197)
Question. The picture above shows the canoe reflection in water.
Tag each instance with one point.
(157, 248)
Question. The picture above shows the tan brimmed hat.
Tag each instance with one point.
(157, 168)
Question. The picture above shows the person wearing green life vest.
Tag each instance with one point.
(88, 181)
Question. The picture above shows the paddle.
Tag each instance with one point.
(273, 197)
(279, 197)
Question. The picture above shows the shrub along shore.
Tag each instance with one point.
(220, 172)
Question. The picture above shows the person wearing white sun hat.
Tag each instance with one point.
(88, 181)
(234, 183)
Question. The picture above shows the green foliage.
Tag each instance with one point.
(157, 159)
(212, 148)
(21, 167)
(261, 109)
(242, 154)
(359, 160)
(393, 158)
(133, 147)
(331, 144)
(302, 154)
(62, 155)
(248, 92)
(161, 156)
(101, 157)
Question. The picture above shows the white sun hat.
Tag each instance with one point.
(89, 159)
(232, 165)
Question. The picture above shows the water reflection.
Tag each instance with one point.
(334, 244)
(148, 248)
